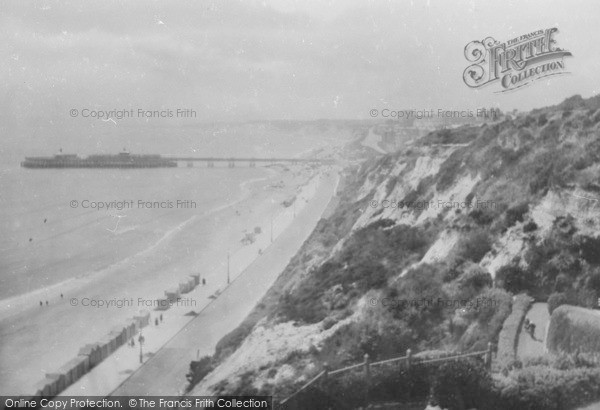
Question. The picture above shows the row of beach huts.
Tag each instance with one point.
(89, 356)
(93, 353)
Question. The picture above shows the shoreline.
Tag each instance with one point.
(24, 302)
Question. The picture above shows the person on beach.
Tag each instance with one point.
(161, 318)
(46, 303)
(203, 281)
(61, 295)
(532, 330)
(41, 304)
(156, 321)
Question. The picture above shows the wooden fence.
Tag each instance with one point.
(367, 366)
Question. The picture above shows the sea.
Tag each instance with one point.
(54, 221)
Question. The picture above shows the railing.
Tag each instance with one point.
(367, 365)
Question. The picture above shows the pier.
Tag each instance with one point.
(251, 162)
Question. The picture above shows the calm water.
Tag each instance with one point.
(46, 240)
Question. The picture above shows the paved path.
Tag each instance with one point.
(164, 373)
(528, 346)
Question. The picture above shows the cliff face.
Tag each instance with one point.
(410, 255)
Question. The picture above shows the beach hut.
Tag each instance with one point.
(85, 361)
(143, 319)
(57, 383)
(42, 389)
(130, 328)
(172, 294)
(93, 352)
(104, 346)
(69, 370)
(162, 304)
(187, 285)
(80, 367)
(183, 287)
(108, 344)
(120, 334)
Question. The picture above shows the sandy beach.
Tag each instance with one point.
(49, 336)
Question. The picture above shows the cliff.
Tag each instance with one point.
(425, 247)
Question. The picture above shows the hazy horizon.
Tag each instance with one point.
(274, 60)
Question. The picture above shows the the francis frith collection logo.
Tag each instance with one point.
(514, 63)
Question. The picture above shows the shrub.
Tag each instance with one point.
(540, 180)
(492, 307)
(482, 217)
(550, 131)
(530, 227)
(588, 247)
(198, 370)
(587, 298)
(547, 388)
(449, 170)
(556, 299)
(462, 384)
(494, 313)
(391, 384)
(516, 214)
(475, 277)
(421, 283)
(573, 329)
(593, 280)
(514, 279)
(562, 282)
(474, 246)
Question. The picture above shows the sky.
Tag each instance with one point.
(237, 60)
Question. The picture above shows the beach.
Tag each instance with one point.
(36, 340)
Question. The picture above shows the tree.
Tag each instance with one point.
(514, 279)
(474, 246)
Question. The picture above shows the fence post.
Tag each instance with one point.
(488, 357)
(367, 365)
(408, 368)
